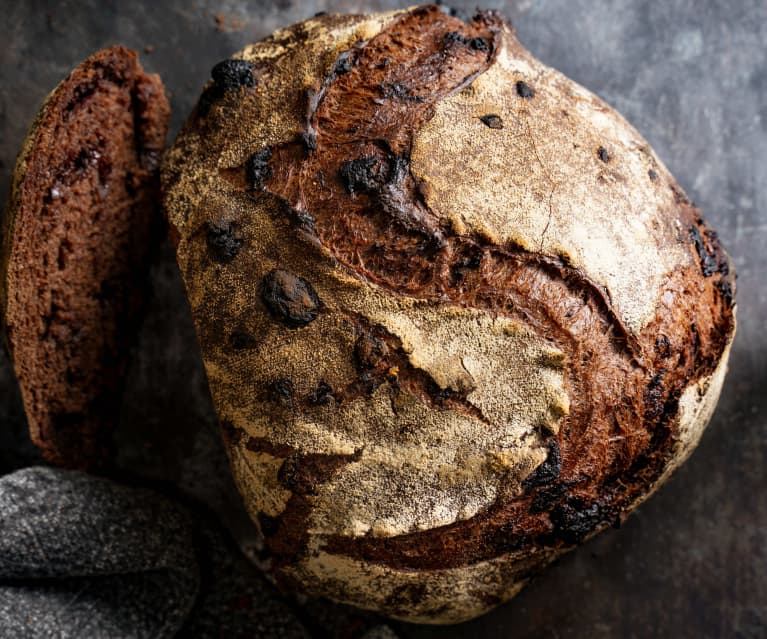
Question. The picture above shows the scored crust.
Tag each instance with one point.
(82, 221)
(455, 314)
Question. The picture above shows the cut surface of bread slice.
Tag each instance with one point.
(79, 233)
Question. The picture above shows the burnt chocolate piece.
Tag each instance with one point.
(257, 167)
(477, 43)
(360, 174)
(399, 91)
(233, 74)
(454, 36)
(549, 470)
(708, 263)
(370, 352)
(524, 90)
(224, 242)
(228, 75)
(492, 120)
(574, 520)
(343, 63)
(281, 391)
(289, 298)
(547, 498)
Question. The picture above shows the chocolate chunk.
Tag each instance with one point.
(708, 263)
(603, 155)
(725, 288)
(224, 241)
(227, 76)
(652, 175)
(454, 36)
(492, 120)
(438, 394)
(343, 64)
(399, 91)
(360, 174)
(477, 44)
(233, 74)
(654, 397)
(281, 391)
(549, 470)
(547, 498)
(370, 352)
(257, 167)
(574, 521)
(289, 298)
(524, 90)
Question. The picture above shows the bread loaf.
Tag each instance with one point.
(456, 315)
(83, 217)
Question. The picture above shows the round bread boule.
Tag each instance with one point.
(455, 313)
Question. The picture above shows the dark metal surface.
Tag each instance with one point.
(692, 77)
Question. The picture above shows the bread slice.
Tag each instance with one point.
(79, 233)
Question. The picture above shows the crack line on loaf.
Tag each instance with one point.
(553, 184)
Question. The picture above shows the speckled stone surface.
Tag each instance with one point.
(692, 77)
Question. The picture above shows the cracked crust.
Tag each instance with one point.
(484, 384)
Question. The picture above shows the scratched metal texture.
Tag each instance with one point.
(692, 77)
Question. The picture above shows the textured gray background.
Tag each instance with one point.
(692, 77)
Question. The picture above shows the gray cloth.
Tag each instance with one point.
(82, 556)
